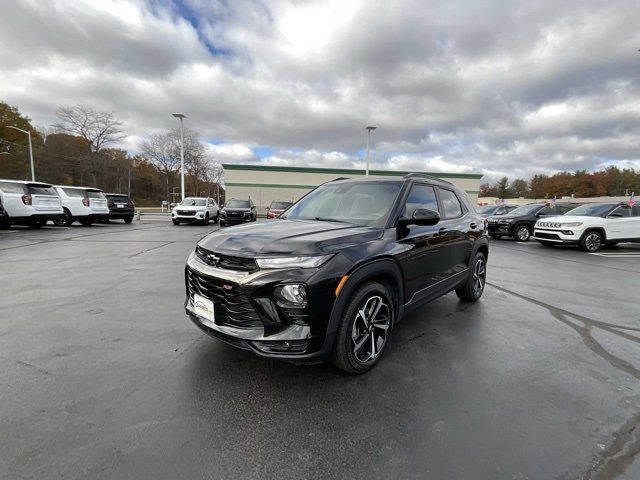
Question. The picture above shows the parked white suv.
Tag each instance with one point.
(82, 204)
(196, 210)
(28, 203)
(591, 226)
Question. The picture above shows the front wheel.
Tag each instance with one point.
(523, 233)
(206, 219)
(176, 222)
(65, 221)
(364, 330)
(472, 289)
(127, 220)
(591, 241)
(5, 222)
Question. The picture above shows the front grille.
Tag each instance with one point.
(231, 304)
(241, 264)
(186, 213)
(548, 225)
(551, 236)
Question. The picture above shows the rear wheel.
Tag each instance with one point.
(523, 233)
(5, 221)
(128, 220)
(472, 289)
(591, 241)
(64, 221)
(364, 330)
(495, 236)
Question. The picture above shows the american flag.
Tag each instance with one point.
(631, 201)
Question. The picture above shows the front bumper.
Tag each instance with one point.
(248, 317)
(235, 220)
(500, 229)
(554, 235)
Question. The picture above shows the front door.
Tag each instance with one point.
(427, 263)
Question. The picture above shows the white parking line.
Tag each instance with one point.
(617, 254)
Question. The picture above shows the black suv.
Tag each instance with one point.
(120, 207)
(336, 271)
(238, 211)
(519, 223)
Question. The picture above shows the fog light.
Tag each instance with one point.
(294, 295)
(286, 346)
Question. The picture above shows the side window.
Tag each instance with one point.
(500, 211)
(450, 203)
(562, 209)
(9, 187)
(635, 210)
(420, 196)
(547, 210)
(625, 212)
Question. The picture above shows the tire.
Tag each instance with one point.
(223, 224)
(216, 219)
(591, 241)
(522, 233)
(5, 222)
(176, 222)
(206, 219)
(360, 343)
(473, 288)
(65, 221)
(127, 220)
(495, 236)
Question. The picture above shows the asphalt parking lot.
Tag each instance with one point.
(104, 377)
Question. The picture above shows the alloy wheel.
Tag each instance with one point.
(523, 234)
(370, 329)
(479, 277)
(593, 242)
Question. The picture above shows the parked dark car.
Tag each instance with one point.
(120, 207)
(238, 211)
(519, 223)
(276, 208)
(332, 277)
(495, 210)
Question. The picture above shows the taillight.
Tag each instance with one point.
(27, 200)
(85, 202)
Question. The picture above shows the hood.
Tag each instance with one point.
(237, 209)
(566, 218)
(288, 237)
(188, 208)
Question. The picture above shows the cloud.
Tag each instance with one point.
(499, 88)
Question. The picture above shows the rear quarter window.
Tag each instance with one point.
(10, 187)
(450, 203)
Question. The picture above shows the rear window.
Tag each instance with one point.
(94, 194)
(118, 198)
(237, 204)
(74, 192)
(10, 187)
(41, 190)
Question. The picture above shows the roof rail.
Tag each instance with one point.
(424, 175)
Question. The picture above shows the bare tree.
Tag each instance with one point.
(98, 129)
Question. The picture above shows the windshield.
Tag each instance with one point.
(487, 209)
(193, 202)
(592, 210)
(237, 204)
(361, 203)
(279, 205)
(526, 209)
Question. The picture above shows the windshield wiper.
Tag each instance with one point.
(327, 219)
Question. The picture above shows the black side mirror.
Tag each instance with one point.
(420, 216)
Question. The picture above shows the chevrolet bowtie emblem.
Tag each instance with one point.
(213, 259)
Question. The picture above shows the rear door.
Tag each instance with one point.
(97, 201)
(457, 228)
(620, 223)
(427, 263)
(44, 198)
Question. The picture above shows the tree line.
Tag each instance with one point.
(79, 150)
(609, 182)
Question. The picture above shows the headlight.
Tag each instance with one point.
(292, 262)
(571, 224)
(295, 295)
(507, 220)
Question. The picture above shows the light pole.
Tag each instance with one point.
(33, 173)
(181, 117)
(369, 130)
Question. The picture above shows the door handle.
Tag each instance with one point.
(474, 225)
(442, 231)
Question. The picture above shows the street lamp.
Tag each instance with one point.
(181, 117)
(369, 130)
(33, 174)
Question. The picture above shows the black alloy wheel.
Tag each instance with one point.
(364, 330)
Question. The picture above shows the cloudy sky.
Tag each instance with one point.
(494, 87)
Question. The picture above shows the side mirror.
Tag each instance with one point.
(420, 216)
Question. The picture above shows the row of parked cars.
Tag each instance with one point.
(589, 226)
(36, 203)
(203, 210)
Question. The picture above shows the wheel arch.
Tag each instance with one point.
(598, 229)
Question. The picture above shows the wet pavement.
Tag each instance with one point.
(104, 377)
